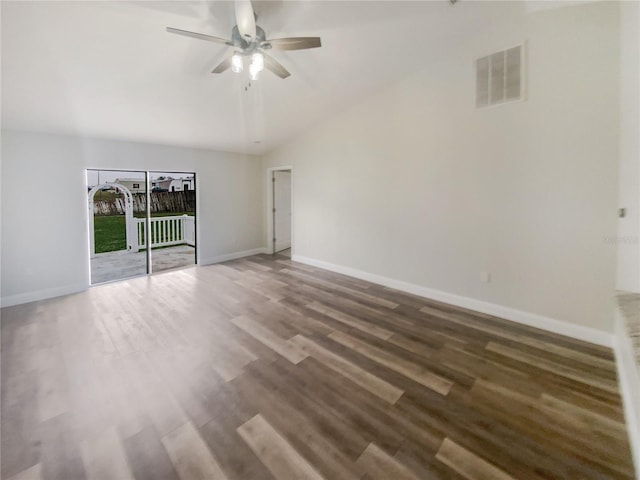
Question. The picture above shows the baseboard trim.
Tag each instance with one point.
(233, 256)
(560, 327)
(629, 381)
(11, 300)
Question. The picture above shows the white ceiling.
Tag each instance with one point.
(110, 70)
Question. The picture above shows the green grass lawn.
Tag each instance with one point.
(110, 234)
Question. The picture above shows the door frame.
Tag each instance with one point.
(270, 248)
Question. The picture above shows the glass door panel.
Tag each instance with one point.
(172, 220)
(117, 202)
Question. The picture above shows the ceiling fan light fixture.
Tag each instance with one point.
(237, 64)
(253, 71)
(257, 59)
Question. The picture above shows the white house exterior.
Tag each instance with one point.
(135, 185)
(184, 183)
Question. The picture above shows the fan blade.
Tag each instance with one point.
(224, 65)
(272, 64)
(293, 43)
(245, 18)
(200, 36)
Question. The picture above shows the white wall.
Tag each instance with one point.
(416, 185)
(628, 268)
(45, 249)
(629, 197)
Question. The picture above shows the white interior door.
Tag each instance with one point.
(282, 206)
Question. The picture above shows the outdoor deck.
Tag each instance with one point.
(122, 264)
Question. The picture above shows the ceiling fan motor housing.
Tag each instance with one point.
(247, 45)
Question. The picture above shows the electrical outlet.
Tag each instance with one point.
(485, 277)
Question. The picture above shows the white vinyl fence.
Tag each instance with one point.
(166, 231)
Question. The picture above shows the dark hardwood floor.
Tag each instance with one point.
(263, 369)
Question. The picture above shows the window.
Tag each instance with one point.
(136, 185)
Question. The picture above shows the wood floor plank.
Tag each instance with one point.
(268, 338)
(292, 319)
(468, 464)
(381, 466)
(31, 473)
(148, 458)
(410, 370)
(316, 441)
(453, 416)
(540, 362)
(266, 289)
(370, 417)
(123, 408)
(60, 449)
(225, 355)
(570, 354)
(419, 348)
(257, 265)
(478, 366)
(149, 391)
(588, 418)
(20, 449)
(350, 320)
(353, 292)
(275, 452)
(190, 455)
(373, 418)
(234, 455)
(352, 307)
(104, 457)
(370, 382)
(425, 466)
(336, 428)
(308, 326)
(189, 382)
(551, 427)
(228, 368)
(526, 335)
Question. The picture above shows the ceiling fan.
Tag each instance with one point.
(249, 40)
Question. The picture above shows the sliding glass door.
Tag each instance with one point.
(140, 222)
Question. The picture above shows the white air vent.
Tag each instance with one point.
(500, 77)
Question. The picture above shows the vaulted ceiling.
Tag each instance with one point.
(110, 70)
